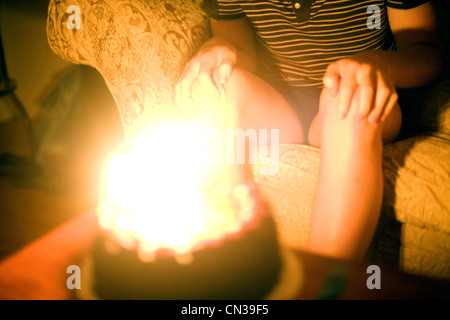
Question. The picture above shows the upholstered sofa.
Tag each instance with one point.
(140, 48)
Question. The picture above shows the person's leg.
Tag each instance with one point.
(349, 189)
(261, 106)
(253, 105)
(391, 128)
(348, 194)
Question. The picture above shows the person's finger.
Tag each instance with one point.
(205, 78)
(367, 82)
(225, 66)
(389, 106)
(183, 90)
(347, 90)
(331, 78)
(382, 98)
(219, 85)
(223, 72)
(367, 100)
(221, 76)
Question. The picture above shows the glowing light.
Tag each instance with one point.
(162, 192)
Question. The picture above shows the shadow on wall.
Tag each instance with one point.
(84, 128)
(29, 59)
(74, 131)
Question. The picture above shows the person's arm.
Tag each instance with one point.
(232, 44)
(416, 62)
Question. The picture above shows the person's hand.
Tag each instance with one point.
(377, 92)
(209, 70)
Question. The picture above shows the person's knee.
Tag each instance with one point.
(238, 85)
(349, 131)
(326, 104)
(261, 106)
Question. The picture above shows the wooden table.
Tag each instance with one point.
(38, 271)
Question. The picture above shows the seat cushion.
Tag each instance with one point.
(414, 228)
(289, 192)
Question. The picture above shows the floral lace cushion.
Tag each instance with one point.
(139, 47)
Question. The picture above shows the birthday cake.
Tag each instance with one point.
(205, 233)
(242, 265)
(245, 265)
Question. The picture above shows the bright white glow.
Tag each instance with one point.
(163, 191)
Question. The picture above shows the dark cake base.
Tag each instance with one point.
(242, 266)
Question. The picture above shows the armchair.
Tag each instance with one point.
(140, 48)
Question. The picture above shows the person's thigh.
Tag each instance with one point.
(261, 106)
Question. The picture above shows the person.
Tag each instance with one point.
(324, 73)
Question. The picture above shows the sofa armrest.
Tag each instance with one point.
(139, 47)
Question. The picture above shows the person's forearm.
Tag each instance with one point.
(412, 66)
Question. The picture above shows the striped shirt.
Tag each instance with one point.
(298, 39)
